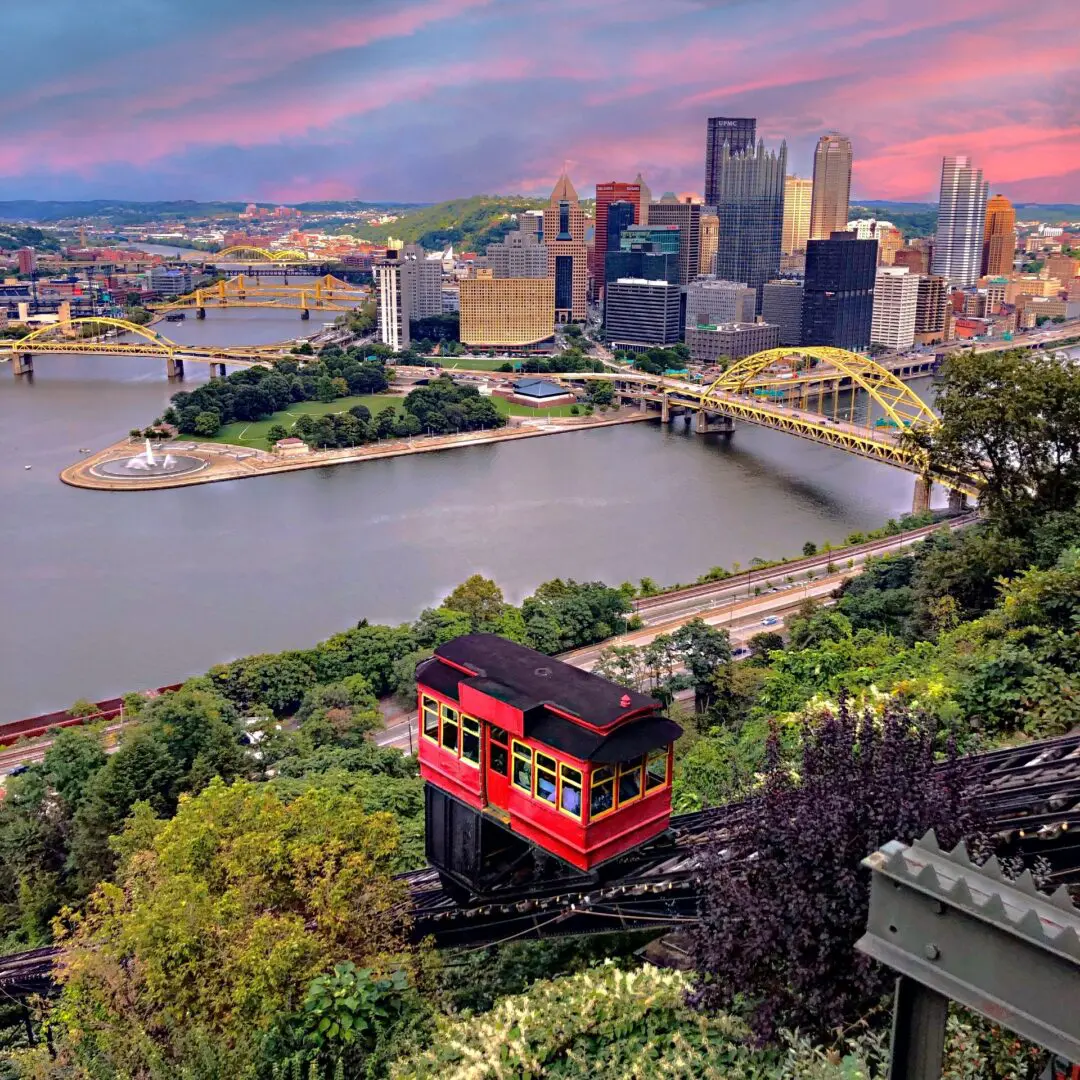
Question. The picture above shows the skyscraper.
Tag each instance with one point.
(607, 193)
(392, 301)
(750, 205)
(797, 198)
(999, 237)
(670, 211)
(640, 314)
(564, 237)
(782, 305)
(838, 306)
(832, 186)
(961, 220)
(736, 134)
(517, 312)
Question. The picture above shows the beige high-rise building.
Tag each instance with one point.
(999, 237)
(896, 296)
(512, 313)
(798, 195)
(832, 186)
(710, 237)
(568, 257)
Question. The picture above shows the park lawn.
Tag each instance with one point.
(254, 434)
(512, 408)
(475, 363)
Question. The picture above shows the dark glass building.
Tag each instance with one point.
(838, 305)
(750, 205)
(620, 216)
(738, 134)
(642, 262)
(564, 282)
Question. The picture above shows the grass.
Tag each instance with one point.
(475, 363)
(253, 434)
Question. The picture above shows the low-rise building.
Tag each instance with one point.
(541, 393)
(708, 344)
(169, 282)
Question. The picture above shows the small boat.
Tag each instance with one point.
(28, 466)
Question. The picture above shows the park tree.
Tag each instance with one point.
(258, 897)
(206, 423)
(786, 898)
(1012, 420)
(275, 433)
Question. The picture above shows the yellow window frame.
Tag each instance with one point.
(575, 785)
(471, 725)
(527, 752)
(658, 755)
(593, 785)
(550, 772)
(456, 721)
(429, 704)
(621, 802)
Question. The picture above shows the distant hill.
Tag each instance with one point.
(127, 212)
(912, 219)
(469, 224)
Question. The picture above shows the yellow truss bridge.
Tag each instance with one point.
(257, 254)
(327, 293)
(91, 336)
(802, 391)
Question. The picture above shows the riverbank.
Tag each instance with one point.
(225, 462)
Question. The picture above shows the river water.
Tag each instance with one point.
(104, 592)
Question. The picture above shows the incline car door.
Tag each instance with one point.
(497, 766)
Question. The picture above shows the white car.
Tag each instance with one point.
(769, 620)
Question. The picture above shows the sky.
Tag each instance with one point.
(423, 100)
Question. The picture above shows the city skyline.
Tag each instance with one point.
(431, 99)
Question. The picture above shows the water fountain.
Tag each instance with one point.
(147, 465)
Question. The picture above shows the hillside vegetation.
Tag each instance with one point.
(469, 224)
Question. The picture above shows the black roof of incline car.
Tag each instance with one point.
(526, 679)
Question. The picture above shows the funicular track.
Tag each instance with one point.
(1028, 796)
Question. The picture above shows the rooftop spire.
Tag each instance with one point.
(564, 190)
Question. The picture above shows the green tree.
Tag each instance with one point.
(479, 598)
(207, 423)
(809, 548)
(702, 649)
(275, 433)
(1011, 419)
(215, 931)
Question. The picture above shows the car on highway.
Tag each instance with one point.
(740, 652)
(769, 620)
(19, 770)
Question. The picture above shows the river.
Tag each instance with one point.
(106, 592)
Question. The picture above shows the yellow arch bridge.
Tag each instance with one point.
(808, 392)
(258, 254)
(327, 293)
(97, 336)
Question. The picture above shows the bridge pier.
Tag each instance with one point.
(22, 363)
(920, 503)
(200, 313)
(174, 367)
(958, 502)
(665, 410)
(722, 425)
(305, 313)
(217, 371)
